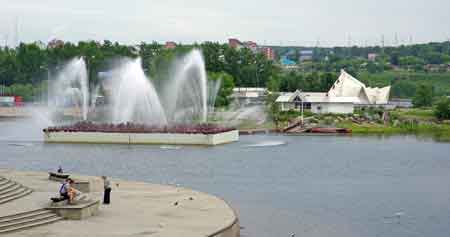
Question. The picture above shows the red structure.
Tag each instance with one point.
(18, 100)
(55, 43)
(269, 53)
(11, 101)
(170, 45)
(234, 43)
(253, 46)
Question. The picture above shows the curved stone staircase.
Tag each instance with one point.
(10, 190)
(25, 220)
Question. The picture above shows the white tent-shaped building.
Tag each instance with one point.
(346, 93)
(348, 86)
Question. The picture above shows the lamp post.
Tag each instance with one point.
(47, 68)
(301, 98)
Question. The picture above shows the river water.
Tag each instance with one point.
(279, 185)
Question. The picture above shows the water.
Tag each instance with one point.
(307, 185)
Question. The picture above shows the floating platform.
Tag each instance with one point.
(88, 132)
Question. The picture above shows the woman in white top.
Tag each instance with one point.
(107, 188)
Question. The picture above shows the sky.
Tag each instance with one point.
(267, 22)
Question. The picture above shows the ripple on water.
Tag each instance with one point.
(267, 144)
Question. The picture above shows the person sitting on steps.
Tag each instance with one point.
(65, 191)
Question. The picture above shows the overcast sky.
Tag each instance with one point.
(274, 22)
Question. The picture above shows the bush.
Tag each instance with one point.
(442, 109)
(424, 96)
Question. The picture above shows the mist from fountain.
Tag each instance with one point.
(185, 98)
(213, 90)
(134, 98)
(186, 95)
(71, 86)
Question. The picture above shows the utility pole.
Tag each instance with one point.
(448, 46)
(396, 39)
(349, 45)
(5, 39)
(16, 33)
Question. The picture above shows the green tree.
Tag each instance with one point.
(226, 87)
(424, 96)
(442, 109)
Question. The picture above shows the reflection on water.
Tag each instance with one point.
(170, 147)
(308, 185)
(267, 144)
(428, 136)
(20, 144)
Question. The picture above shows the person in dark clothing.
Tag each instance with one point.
(60, 170)
(107, 189)
(64, 191)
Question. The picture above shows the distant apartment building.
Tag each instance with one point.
(170, 45)
(251, 45)
(55, 43)
(235, 43)
(372, 57)
(268, 52)
(306, 55)
(40, 44)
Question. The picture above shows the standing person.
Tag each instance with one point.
(60, 170)
(107, 188)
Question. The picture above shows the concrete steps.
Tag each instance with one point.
(10, 190)
(8, 186)
(4, 182)
(25, 220)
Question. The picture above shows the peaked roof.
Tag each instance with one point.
(346, 89)
(348, 86)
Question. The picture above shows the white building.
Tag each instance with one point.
(249, 95)
(348, 86)
(346, 93)
(249, 92)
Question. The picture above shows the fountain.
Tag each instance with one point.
(134, 98)
(71, 87)
(186, 93)
(138, 114)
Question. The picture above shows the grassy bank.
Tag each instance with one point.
(438, 131)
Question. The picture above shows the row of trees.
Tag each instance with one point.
(430, 53)
(29, 66)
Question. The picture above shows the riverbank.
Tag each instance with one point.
(137, 209)
(369, 121)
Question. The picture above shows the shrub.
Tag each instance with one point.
(442, 109)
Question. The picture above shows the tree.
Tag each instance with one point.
(424, 96)
(226, 87)
(442, 109)
(273, 108)
(395, 58)
(327, 81)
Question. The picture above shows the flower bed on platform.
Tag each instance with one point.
(86, 126)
